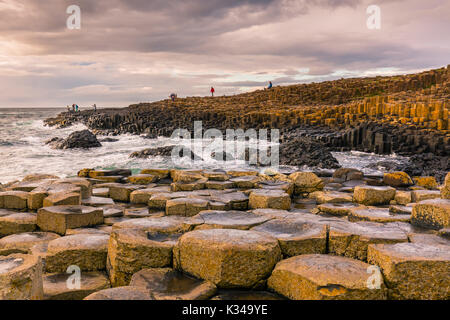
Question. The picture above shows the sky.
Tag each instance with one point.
(131, 51)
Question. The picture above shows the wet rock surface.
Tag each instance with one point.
(80, 139)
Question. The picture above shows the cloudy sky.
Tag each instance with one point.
(130, 51)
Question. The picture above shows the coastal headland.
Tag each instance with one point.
(405, 114)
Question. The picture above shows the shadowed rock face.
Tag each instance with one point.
(79, 139)
(168, 284)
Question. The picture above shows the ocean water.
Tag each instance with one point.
(23, 150)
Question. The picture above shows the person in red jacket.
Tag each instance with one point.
(212, 91)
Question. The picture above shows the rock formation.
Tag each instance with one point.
(190, 234)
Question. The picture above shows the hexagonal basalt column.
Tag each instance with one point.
(23, 242)
(226, 257)
(16, 222)
(296, 237)
(14, 200)
(373, 195)
(352, 239)
(414, 270)
(272, 199)
(433, 214)
(131, 250)
(324, 277)
(186, 207)
(87, 251)
(60, 218)
(20, 277)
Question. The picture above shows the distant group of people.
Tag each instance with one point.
(173, 96)
(76, 108)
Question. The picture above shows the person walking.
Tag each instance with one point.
(73, 107)
(95, 107)
(212, 91)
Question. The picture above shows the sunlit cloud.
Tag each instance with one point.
(130, 51)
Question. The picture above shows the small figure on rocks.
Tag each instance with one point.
(73, 107)
(270, 85)
(212, 91)
(95, 107)
(68, 108)
(173, 96)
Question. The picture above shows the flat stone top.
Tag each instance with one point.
(325, 270)
(343, 205)
(245, 179)
(377, 188)
(16, 263)
(27, 237)
(163, 224)
(120, 293)
(274, 213)
(165, 281)
(71, 209)
(414, 251)
(430, 239)
(192, 201)
(229, 238)
(14, 193)
(79, 241)
(96, 201)
(436, 192)
(269, 193)
(30, 185)
(6, 212)
(436, 202)
(58, 188)
(163, 237)
(376, 213)
(369, 230)
(9, 263)
(290, 229)
(231, 218)
(55, 283)
(20, 217)
(230, 197)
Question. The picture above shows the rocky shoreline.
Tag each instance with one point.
(404, 115)
(214, 234)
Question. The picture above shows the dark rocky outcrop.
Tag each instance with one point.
(304, 151)
(426, 164)
(78, 139)
(162, 152)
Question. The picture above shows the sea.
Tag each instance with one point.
(23, 150)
